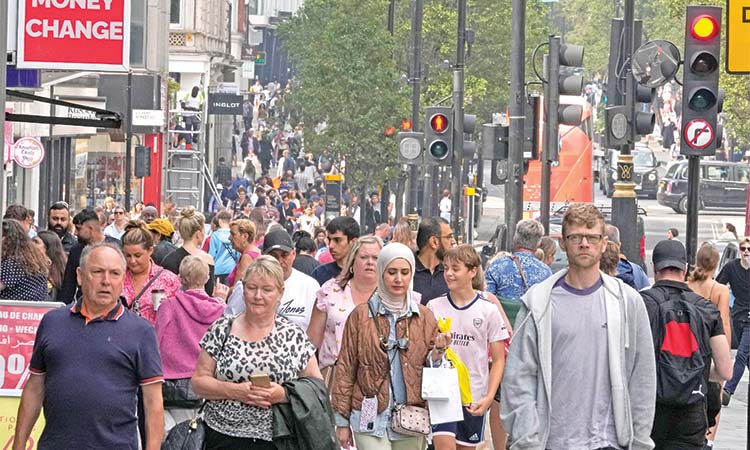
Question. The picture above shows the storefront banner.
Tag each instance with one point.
(74, 35)
(8, 412)
(18, 324)
(28, 152)
(225, 104)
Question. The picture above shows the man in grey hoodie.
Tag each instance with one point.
(581, 371)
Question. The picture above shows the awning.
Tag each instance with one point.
(104, 118)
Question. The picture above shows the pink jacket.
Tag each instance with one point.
(181, 322)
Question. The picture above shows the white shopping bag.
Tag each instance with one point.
(440, 389)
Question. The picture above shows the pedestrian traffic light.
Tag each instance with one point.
(561, 56)
(701, 97)
(142, 161)
(438, 135)
(644, 118)
(470, 125)
(410, 147)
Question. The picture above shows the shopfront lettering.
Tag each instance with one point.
(74, 29)
(73, 4)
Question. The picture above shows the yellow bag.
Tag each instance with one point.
(464, 383)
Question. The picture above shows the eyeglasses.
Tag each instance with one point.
(119, 213)
(449, 236)
(590, 238)
(745, 249)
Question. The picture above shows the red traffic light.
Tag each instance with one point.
(406, 125)
(390, 131)
(704, 27)
(439, 123)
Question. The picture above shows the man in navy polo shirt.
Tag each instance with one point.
(88, 364)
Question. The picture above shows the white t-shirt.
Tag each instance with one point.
(299, 298)
(445, 208)
(473, 328)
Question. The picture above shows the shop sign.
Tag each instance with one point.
(225, 104)
(74, 34)
(28, 152)
(148, 118)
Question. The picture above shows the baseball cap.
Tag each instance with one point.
(277, 239)
(219, 186)
(669, 253)
(161, 226)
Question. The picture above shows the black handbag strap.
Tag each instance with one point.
(230, 250)
(136, 301)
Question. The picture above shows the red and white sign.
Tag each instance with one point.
(18, 324)
(28, 152)
(8, 144)
(698, 134)
(74, 34)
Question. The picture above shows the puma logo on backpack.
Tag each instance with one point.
(678, 334)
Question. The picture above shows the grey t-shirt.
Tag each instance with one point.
(582, 417)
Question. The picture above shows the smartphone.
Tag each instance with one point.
(260, 379)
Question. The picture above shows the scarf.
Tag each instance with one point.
(392, 251)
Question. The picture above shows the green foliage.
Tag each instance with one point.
(347, 79)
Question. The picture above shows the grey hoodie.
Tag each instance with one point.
(526, 385)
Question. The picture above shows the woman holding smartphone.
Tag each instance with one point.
(239, 370)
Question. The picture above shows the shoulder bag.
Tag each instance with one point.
(191, 434)
(136, 305)
(408, 420)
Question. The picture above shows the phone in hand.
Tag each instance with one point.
(260, 379)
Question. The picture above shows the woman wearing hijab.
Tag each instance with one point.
(386, 342)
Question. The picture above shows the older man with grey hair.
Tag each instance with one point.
(510, 276)
(632, 274)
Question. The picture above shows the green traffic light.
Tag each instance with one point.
(439, 150)
(702, 99)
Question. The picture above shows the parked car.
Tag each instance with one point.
(646, 170)
(722, 185)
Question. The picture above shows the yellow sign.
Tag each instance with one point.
(8, 411)
(738, 36)
(334, 177)
(470, 191)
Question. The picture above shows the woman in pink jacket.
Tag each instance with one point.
(181, 322)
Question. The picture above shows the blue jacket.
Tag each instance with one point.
(224, 261)
(632, 275)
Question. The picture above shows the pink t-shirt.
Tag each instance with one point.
(167, 282)
(473, 328)
(337, 303)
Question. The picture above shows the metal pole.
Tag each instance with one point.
(691, 239)
(3, 81)
(551, 102)
(128, 138)
(417, 7)
(624, 211)
(458, 117)
(514, 187)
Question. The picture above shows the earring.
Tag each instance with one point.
(351, 270)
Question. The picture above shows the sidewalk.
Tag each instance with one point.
(733, 433)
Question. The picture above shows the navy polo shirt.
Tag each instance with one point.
(325, 272)
(430, 284)
(93, 369)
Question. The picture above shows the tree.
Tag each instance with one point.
(347, 79)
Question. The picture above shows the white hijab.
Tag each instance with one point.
(390, 252)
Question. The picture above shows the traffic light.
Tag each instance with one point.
(142, 161)
(531, 127)
(495, 149)
(643, 116)
(410, 147)
(438, 135)
(470, 125)
(565, 57)
(701, 98)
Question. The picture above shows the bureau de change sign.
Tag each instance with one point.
(74, 34)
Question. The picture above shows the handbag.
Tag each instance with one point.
(178, 393)
(191, 434)
(408, 420)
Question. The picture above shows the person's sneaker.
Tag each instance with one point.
(725, 397)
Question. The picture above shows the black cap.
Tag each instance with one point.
(277, 239)
(669, 253)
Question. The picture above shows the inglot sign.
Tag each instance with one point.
(225, 104)
(74, 34)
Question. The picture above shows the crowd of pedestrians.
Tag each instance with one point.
(285, 338)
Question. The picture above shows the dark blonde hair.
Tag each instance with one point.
(245, 226)
(466, 255)
(266, 266)
(402, 233)
(610, 258)
(706, 261)
(347, 272)
(136, 233)
(582, 214)
(190, 222)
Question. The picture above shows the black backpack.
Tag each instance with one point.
(679, 346)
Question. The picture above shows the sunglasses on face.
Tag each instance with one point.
(745, 249)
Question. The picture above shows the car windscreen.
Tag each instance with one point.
(672, 171)
(643, 159)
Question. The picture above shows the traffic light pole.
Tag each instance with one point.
(458, 118)
(691, 241)
(624, 212)
(514, 187)
(551, 103)
(416, 81)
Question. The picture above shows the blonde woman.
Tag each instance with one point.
(191, 226)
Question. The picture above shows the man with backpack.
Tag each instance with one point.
(688, 334)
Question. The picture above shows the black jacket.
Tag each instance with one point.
(306, 421)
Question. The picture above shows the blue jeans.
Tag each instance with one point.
(743, 353)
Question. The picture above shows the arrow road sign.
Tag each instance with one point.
(698, 134)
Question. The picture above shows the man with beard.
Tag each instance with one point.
(58, 220)
(89, 231)
(434, 237)
(582, 342)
